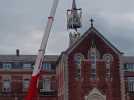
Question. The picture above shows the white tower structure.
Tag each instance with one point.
(74, 22)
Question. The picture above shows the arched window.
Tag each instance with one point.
(93, 55)
(77, 59)
(108, 58)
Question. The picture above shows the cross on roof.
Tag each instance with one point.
(92, 21)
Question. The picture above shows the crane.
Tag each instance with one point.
(33, 86)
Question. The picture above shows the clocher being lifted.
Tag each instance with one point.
(74, 17)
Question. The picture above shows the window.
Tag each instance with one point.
(46, 85)
(130, 84)
(77, 59)
(129, 67)
(93, 63)
(26, 84)
(6, 85)
(7, 66)
(27, 66)
(93, 55)
(17, 65)
(108, 58)
(108, 73)
(47, 66)
(93, 76)
(93, 73)
(93, 58)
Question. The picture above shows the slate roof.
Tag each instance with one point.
(92, 29)
(26, 58)
(128, 59)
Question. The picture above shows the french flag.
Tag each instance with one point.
(33, 86)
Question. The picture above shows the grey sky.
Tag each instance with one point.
(22, 24)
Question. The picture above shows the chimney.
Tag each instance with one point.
(17, 52)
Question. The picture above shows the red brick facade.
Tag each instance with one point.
(78, 89)
(115, 88)
(17, 76)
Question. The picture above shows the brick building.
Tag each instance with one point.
(90, 69)
(15, 74)
(93, 69)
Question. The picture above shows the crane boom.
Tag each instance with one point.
(33, 86)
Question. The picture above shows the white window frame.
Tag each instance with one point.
(130, 84)
(97, 53)
(26, 83)
(108, 58)
(47, 66)
(129, 67)
(7, 86)
(7, 66)
(46, 85)
(92, 55)
(27, 66)
(78, 57)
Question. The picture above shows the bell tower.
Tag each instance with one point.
(74, 22)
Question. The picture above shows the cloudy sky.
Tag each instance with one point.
(22, 24)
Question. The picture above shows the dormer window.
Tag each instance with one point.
(27, 66)
(7, 66)
(77, 59)
(47, 67)
(129, 67)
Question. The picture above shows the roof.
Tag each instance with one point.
(128, 59)
(92, 29)
(25, 58)
(74, 5)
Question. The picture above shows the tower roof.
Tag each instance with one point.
(74, 17)
(74, 5)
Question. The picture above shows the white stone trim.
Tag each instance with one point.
(66, 83)
(95, 93)
(6, 77)
(107, 55)
(122, 81)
